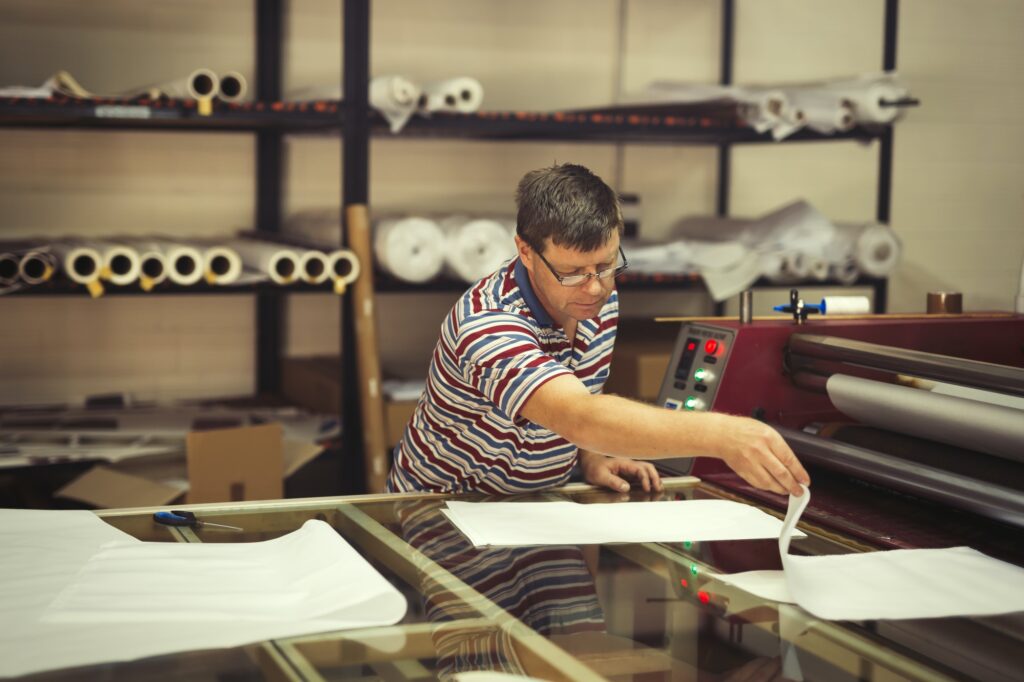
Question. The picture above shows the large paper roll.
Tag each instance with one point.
(872, 98)
(200, 84)
(967, 423)
(823, 111)
(223, 265)
(877, 251)
(456, 95)
(476, 247)
(9, 263)
(184, 262)
(120, 263)
(279, 263)
(395, 98)
(411, 249)
(81, 262)
(313, 266)
(343, 266)
(38, 266)
(232, 87)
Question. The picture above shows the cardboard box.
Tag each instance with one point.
(643, 349)
(231, 465)
(397, 414)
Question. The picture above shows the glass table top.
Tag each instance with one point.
(646, 611)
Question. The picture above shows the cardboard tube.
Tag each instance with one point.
(278, 262)
(375, 449)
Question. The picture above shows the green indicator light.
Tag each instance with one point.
(690, 402)
(693, 569)
(687, 544)
(700, 374)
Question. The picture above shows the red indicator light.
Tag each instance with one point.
(711, 346)
(704, 597)
(692, 345)
(684, 582)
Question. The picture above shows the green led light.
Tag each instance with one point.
(693, 569)
(700, 374)
(690, 402)
(687, 544)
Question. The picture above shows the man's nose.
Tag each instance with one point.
(594, 286)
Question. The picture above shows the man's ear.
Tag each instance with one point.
(524, 251)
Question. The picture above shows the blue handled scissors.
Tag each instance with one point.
(178, 517)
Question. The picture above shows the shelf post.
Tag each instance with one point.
(725, 77)
(883, 211)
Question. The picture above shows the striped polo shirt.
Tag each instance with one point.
(498, 345)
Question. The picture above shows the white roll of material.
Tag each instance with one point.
(37, 266)
(844, 271)
(200, 84)
(456, 95)
(121, 263)
(411, 249)
(476, 247)
(873, 247)
(232, 87)
(869, 98)
(279, 263)
(81, 262)
(9, 265)
(823, 111)
(343, 266)
(152, 266)
(223, 265)
(314, 266)
(845, 305)
(970, 424)
(184, 263)
(396, 98)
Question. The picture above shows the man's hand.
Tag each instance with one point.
(759, 455)
(612, 472)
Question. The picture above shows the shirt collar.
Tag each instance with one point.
(526, 289)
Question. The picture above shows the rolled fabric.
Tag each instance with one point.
(766, 109)
(456, 95)
(121, 264)
(877, 251)
(232, 87)
(184, 263)
(314, 266)
(38, 266)
(223, 265)
(81, 262)
(819, 269)
(411, 249)
(868, 97)
(822, 110)
(343, 267)
(476, 247)
(280, 263)
(844, 272)
(9, 264)
(200, 84)
(396, 98)
(152, 265)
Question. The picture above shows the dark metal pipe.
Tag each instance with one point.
(985, 375)
(955, 490)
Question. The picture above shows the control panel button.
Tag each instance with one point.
(702, 388)
(694, 403)
(680, 384)
(711, 346)
(710, 359)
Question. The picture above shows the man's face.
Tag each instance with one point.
(561, 302)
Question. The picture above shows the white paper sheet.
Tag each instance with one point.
(902, 583)
(75, 591)
(507, 524)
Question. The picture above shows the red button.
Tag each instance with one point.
(711, 347)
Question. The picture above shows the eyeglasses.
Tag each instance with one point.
(577, 280)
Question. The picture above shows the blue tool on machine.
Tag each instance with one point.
(178, 517)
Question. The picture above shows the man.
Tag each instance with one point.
(513, 398)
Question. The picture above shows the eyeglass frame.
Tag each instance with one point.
(585, 277)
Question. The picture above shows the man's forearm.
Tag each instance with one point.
(614, 425)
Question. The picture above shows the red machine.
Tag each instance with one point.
(889, 487)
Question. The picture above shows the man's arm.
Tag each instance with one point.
(613, 425)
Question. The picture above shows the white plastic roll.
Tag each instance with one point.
(232, 87)
(185, 264)
(343, 266)
(152, 267)
(868, 98)
(121, 264)
(223, 265)
(395, 98)
(796, 264)
(845, 305)
(411, 249)
(314, 266)
(281, 264)
(768, 108)
(819, 269)
(475, 247)
(877, 251)
(81, 262)
(958, 421)
(845, 271)
(455, 95)
(37, 266)
(200, 84)
(9, 264)
(822, 110)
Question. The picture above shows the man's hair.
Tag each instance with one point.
(569, 204)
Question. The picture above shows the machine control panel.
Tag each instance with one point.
(697, 365)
